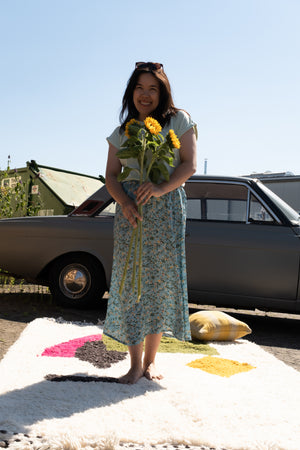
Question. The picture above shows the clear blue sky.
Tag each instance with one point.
(234, 65)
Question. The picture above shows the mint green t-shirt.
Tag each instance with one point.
(180, 123)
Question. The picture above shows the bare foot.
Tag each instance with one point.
(132, 376)
(151, 373)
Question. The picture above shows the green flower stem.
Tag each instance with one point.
(140, 228)
(150, 166)
(142, 160)
(140, 224)
(134, 231)
(136, 237)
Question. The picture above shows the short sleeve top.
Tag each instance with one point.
(180, 123)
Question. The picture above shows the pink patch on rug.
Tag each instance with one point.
(68, 349)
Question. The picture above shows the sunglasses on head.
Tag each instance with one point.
(148, 65)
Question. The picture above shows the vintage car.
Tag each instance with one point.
(242, 245)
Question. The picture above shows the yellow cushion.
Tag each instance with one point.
(217, 326)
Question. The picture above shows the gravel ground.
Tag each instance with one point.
(274, 332)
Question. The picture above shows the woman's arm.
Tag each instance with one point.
(114, 187)
(187, 167)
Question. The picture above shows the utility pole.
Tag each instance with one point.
(205, 166)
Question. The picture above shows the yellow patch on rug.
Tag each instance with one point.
(220, 366)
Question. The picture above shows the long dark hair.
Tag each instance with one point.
(165, 109)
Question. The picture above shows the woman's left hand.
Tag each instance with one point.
(146, 191)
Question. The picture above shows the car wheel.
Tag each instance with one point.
(77, 281)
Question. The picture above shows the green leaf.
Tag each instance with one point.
(126, 171)
(164, 171)
(168, 160)
(128, 153)
(154, 175)
(153, 147)
(134, 130)
(134, 140)
(160, 138)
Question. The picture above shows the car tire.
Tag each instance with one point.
(77, 281)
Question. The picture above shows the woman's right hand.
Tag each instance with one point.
(130, 212)
(114, 187)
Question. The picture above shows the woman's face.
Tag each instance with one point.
(146, 95)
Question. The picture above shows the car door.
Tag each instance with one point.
(236, 245)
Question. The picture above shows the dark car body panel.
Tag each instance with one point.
(44, 239)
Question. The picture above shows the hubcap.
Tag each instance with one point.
(74, 281)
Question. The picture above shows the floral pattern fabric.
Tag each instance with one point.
(163, 306)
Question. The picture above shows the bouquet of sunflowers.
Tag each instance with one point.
(153, 152)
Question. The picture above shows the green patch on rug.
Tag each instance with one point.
(172, 345)
(112, 344)
(167, 345)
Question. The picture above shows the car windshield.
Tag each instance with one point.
(110, 210)
(290, 213)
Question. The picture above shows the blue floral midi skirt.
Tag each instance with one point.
(163, 306)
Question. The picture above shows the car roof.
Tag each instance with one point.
(221, 178)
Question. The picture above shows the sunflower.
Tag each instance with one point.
(152, 125)
(131, 122)
(174, 139)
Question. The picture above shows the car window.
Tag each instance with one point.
(258, 212)
(110, 210)
(217, 201)
(292, 215)
(226, 202)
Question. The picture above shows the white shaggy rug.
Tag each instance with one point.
(258, 409)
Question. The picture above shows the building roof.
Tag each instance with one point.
(71, 187)
(274, 176)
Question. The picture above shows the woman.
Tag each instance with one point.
(163, 306)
